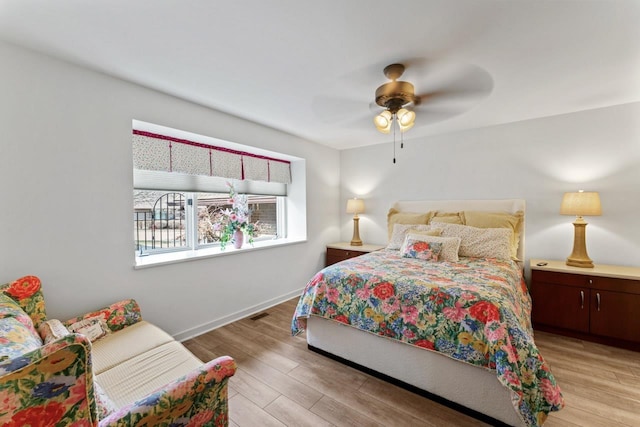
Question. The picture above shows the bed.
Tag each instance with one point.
(458, 331)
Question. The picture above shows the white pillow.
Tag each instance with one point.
(93, 328)
(400, 232)
(450, 245)
(52, 330)
(480, 242)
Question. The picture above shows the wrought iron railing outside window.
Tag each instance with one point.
(161, 219)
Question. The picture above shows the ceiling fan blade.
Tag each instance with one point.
(451, 109)
(444, 108)
(336, 109)
(451, 90)
(463, 100)
(375, 108)
(435, 117)
(455, 78)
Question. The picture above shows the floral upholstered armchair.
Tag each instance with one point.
(46, 375)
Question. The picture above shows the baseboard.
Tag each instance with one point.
(238, 315)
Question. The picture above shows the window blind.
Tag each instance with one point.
(168, 163)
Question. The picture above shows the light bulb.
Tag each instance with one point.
(383, 121)
(406, 119)
(403, 116)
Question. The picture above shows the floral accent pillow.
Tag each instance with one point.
(17, 334)
(16, 339)
(415, 246)
(450, 245)
(400, 232)
(117, 316)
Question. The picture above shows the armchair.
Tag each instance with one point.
(49, 379)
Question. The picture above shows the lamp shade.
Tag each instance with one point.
(355, 206)
(406, 119)
(383, 121)
(581, 203)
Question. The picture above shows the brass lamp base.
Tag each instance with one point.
(355, 241)
(579, 263)
(579, 257)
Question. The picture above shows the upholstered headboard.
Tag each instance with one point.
(505, 205)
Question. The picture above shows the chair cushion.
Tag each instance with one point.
(141, 375)
(105, 405)
(126, 344)
(17, 334)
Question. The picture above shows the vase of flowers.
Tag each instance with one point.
(237, 224)
(238, 239)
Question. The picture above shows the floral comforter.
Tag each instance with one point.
(476, 310)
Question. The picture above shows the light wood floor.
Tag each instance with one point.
(280, 382)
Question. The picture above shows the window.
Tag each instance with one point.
(180, 188)
(171, 221)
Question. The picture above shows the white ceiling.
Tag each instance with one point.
(311, 68)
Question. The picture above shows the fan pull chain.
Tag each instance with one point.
(401, 139)
(394, 139)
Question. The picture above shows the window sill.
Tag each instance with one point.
(183, 256)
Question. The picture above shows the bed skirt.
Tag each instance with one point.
(469, 389)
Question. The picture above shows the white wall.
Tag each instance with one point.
(66, 199)
(65, 186)
(537, 160)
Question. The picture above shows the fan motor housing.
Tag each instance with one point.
(395, 94)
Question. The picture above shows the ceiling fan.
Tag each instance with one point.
(427, 91)
(399, 100)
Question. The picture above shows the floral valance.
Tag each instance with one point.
(168, 154)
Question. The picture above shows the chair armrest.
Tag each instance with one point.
(200, 396)
(53, 382)
(117, 316)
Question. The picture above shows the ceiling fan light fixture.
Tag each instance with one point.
(406, 119)
(383, 121)
(393, 96)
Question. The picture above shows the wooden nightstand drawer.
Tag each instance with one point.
(558, 278)
(337, 252)
(613, 284)
(337, 255)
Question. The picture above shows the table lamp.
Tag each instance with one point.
(355, 206)
(580, 203)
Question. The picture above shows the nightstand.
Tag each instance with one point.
(337, 252)
(598, 304)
